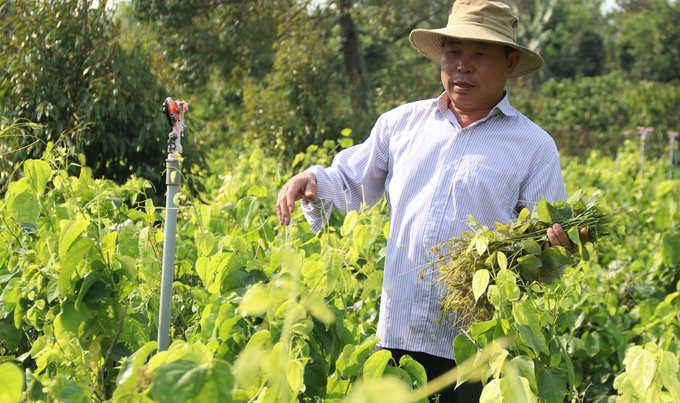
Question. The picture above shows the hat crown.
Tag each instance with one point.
(493, 15)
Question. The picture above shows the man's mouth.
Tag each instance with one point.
(463, 84)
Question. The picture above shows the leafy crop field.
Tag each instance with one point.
(271, 314)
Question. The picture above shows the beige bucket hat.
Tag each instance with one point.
(478, 20)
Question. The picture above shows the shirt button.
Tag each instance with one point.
(436, 204)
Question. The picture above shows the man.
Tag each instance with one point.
(467, 152)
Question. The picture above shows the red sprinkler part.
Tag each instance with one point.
(174, 112)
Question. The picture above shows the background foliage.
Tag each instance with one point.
(265, 313)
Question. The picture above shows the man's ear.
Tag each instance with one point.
(513, 61)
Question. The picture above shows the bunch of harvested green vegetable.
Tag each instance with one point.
(468, 264)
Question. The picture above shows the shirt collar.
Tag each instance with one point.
(503, 106)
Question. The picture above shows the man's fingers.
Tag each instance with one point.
(552, 238)
(561, 235)
(292, 195)
(282, 208)
(310, 190)
(557, 237)
(302, 185)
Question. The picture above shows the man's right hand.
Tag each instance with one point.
(299, 186)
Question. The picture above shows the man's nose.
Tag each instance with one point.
(465, 65)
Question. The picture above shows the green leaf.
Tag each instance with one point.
(481, 244)
(463, 348)
(320, 310)
(10, 295)
(668, 368)
(670, 249)
(562, 341)
(346, 143)
(527, 370)
(535, 341)
(149, 208)
(315, 373)
(257, 191)
(349, 223)
(88, 280)
(575, 196)
(492, 391)
(564, 255)
(574, 236)
(359, 357)
(664, 188)
(70, 232)
(415, 370)
(502, 260)
(529, 266)
(295, 374)
(362, 236)
(10, 334)
(333, 261)
(524, 214)
(507, 285)
(544, 212)
(37, 173)
(641, 366)
(219, 385)
(531, 246)
(479, 328)
(256, 301)
(313, 272)
(553, 386)
(585, 255)
(550, 259)
(246, 210)
(592, 343)
(526, 314)
(205, 241)
(373, 282)
(131, 363)
(212, 270)
(203, 215)
(479, 283)
(69, 262)
(662, 217)
(227, 326)
(52, 290)
(178, 381)
(375, 365)
(11, 383)
(67, 323)
(26, 208)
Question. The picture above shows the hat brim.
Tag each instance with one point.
(429, 42)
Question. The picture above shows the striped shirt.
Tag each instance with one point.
(434, 174)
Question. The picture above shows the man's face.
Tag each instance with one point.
(474, 73)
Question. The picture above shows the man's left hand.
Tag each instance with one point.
(557, 237)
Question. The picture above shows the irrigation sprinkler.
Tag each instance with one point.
(174, 112)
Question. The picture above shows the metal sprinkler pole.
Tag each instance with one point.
(174, 111)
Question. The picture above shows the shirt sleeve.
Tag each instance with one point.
(356, 176)
(545, 180)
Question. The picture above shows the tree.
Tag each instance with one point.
(649, 40)
(288, 73)
(66, 71)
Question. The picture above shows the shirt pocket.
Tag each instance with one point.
(486, 193)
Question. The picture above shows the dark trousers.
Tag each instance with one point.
(435, 366)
